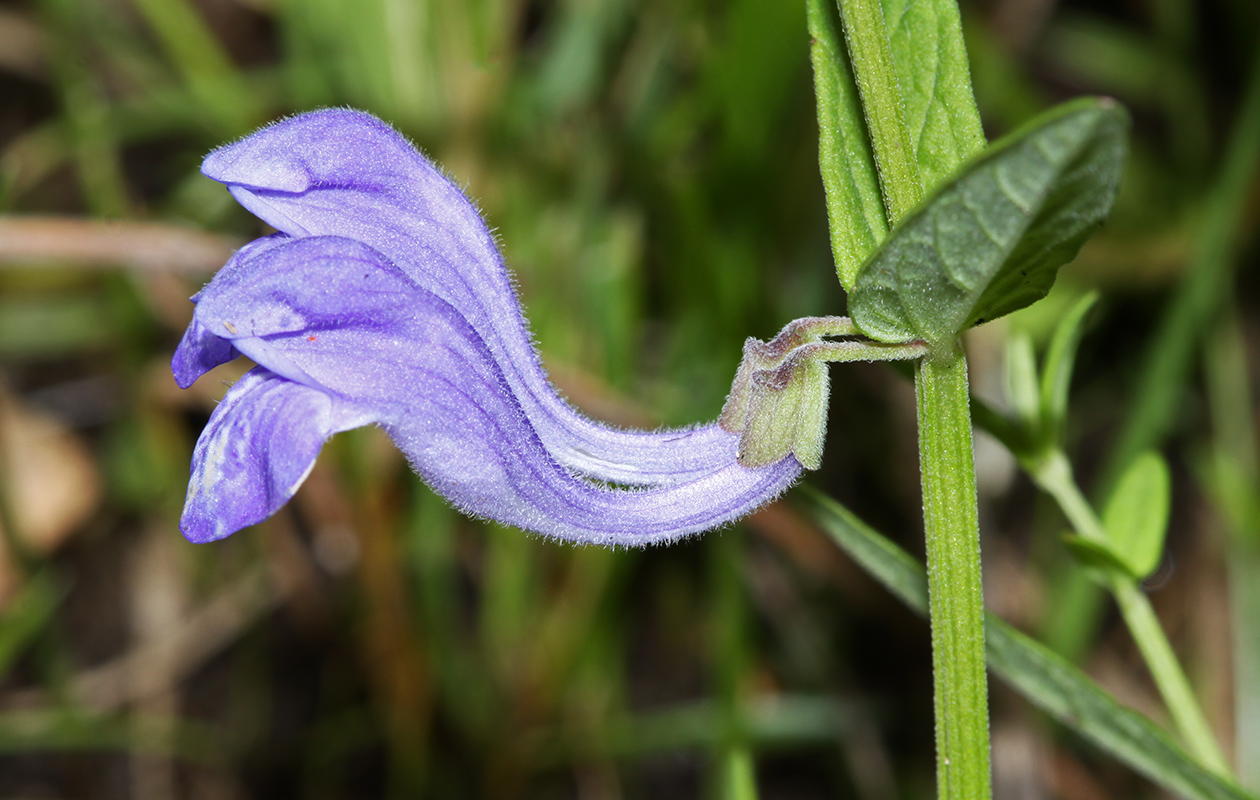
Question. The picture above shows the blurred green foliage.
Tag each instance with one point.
(651, 170)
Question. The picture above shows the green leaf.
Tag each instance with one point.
(1136, 517)
(1099, 556)
(855, 211)
(991, 240)
(930, 59)
(1021, 379)
(1045, 679)
(1056, 378)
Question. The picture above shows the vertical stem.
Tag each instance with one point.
(735, 769)
(953, 558)
(946, 457)
(739, 776)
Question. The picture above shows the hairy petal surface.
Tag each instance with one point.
(257, 449)
(346, 173)
(332, 317)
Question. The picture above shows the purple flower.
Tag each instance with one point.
(383, 300)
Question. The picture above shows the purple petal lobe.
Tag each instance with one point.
(199, 352)
(304, 285)
(333, 146)
(205, 347)
(345, 173)
(258, 447)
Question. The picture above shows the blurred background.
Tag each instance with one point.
(650, 167)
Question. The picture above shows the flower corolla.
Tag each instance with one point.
(382, 300)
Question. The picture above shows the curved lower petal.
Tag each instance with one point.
(345, 173)
(255, 452)
(454, 439)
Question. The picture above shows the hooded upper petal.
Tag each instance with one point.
(327, 317)
(345, 173)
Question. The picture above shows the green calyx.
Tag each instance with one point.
(778, 401)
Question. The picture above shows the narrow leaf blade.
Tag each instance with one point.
(1056, 379)
(855, 210)
(991, 240)
(930, 59)
(1021, 379)
(1045, 679)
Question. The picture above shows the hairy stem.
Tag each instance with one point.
(946, 458)
(956, 604)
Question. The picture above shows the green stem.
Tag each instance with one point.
(871, 55)
(946, 456)
(1169, 677)
(839, 352)
(735, 769)
(1055, 477)
(739, 776)
(955, 597)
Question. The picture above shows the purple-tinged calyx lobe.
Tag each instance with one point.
(383, 300)
(778, 401)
